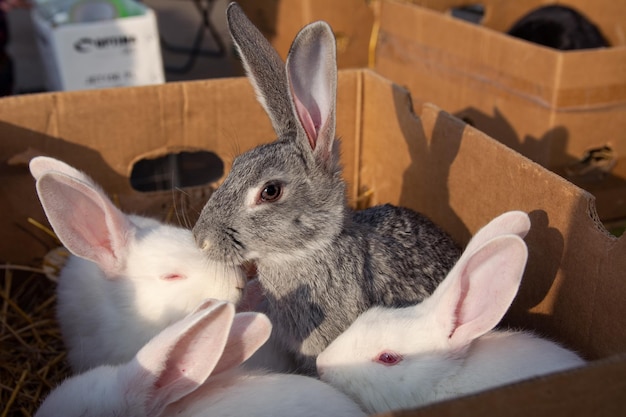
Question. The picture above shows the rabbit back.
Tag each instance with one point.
(409, 252)
(264, 394)
(504, 357)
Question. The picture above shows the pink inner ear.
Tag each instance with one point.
(248, 333)
(182, 357)
(459, 313)
(310, 127)
(485, 287)
(85, 220)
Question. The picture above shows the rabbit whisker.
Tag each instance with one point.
(235, 147)
(232, 233)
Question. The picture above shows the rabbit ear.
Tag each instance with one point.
(206, 304)
(39, 165)
(85, 220)
(248, 333)
(265, 69)
(180, 358)
(312, 81)
(480, 288)
(300, 99)
(509, 223)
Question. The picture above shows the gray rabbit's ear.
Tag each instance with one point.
(312, 83)
(300, 100)
(265, 69)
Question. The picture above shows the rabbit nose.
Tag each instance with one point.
(201, 238)
(205, 244)
(202, 241)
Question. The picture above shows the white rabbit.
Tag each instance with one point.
(129, 276)
(191, 370)
(446, 346)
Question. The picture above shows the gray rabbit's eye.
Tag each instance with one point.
(271, 192)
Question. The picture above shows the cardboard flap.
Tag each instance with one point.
(116, 127)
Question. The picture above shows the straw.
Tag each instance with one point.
(32, 354)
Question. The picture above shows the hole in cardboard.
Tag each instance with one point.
(473, 13)
(176, 170)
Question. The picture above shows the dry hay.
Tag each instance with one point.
(32, 355)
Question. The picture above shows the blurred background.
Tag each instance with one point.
(191, 47)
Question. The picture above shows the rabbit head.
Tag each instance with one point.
(130, 276)
(396, 358)
(172, 365)
(288, 196)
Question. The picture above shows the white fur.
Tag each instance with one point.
(110, 305)
(446, 343)
(191, 370)
(106, 321)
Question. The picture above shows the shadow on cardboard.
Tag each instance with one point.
(594, 171)
(430, 170)
(430, 166)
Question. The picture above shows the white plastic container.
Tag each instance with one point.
(103, 54)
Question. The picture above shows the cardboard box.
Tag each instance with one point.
(111, 53)
(573, 289)
(558, 108)
(281, 20)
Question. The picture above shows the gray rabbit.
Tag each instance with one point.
(283, 205)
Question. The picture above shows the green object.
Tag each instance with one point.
(98, 10)
(126, 8)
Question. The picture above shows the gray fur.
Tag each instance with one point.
(320, 263)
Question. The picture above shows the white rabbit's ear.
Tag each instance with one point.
(509, 223)
(180, 358)
(264, 67)
(39, 165)
(206, 304)
(248, 333)
(312, 80)
(480, 288)
(85, 220)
